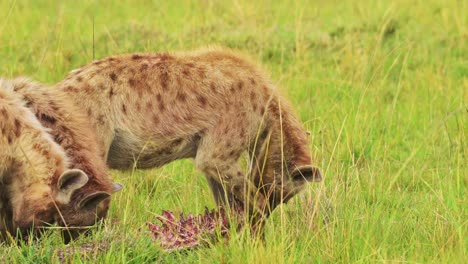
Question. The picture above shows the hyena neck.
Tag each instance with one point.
(76, 136)
(288, 137)
(282, 150)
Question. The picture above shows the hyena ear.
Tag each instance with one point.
(116, 187)
(306, 173)
(69, 182)
(92, 200)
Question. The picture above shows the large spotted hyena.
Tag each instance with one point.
(50, 168)
(210, 105)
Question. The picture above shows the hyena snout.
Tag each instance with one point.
(306, 173)
(81, 217)
(71, 205)
(278, 192)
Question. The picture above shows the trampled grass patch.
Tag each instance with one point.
(381, 85)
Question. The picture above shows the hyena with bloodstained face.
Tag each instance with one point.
(211, 105)
(50, 167)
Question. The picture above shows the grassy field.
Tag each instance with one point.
(381, 85)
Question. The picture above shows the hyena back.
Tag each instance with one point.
(49, 170)
(210, 105)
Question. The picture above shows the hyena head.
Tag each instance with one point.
(282, 163)
(81, 202)
(38, 185)
(50, 193)
(65, 203)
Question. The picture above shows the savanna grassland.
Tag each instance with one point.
(381, 85)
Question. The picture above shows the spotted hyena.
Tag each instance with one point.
(211, 105)
(50, 168)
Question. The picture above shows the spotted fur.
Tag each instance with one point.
(49, 161)
(211, 105)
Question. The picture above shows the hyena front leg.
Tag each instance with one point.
(230, 186)
(222, 197)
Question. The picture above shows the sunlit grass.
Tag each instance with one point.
(381, 85)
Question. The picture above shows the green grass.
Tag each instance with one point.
(382, 86)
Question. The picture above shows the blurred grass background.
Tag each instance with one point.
(381, 85)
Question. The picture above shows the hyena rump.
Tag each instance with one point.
(210, 105)
(50, 168)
